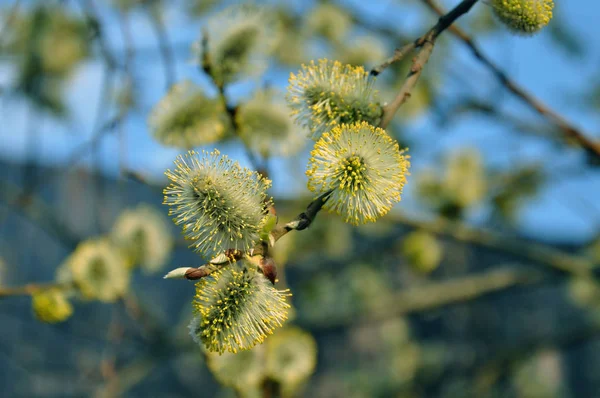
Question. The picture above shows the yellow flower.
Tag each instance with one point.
(328, 93)
(523, 16)
(219, 204)
(51, 305)
(237, 308)
(364, 169)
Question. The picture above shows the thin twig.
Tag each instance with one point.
(89, 8)
(231, 111)
(399, 54)
(591, 146)
(163, 45)
(30, 288)
(426, 44)
(76, 156)
(301, 222)
(129, 85)
(10, 16)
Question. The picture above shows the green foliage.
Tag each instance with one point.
(357, 289)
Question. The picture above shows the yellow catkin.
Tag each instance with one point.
(524, 16)
(362, 166)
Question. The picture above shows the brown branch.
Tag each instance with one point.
(399, 54)
(426, 44)
(30, 288)
(301, 222)
(592, 147)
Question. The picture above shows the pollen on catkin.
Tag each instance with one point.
(523, 16)
(51, 305)
(364, 169)
(143, 235)
(265, 126)
(240, 39)
(97, 269)
(236, 308)
(328, 93)
(219, 204)
(186, 117)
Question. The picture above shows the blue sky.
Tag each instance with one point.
(559, 213)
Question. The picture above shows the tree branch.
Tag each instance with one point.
(163, 45)
(592, 147)
(435, 295)
(426, 44)
(535, 252)
(301, 222)
(30, 288)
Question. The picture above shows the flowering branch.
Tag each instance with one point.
(301, 222)
(425, 43)
(230, 110)
(592, 147)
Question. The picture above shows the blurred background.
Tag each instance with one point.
(482, 282)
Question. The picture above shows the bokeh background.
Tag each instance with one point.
(481, 282)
